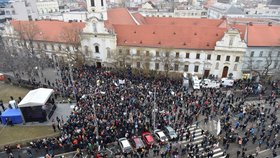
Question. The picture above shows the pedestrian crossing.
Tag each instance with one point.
(198, 139)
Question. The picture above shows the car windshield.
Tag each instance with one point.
(125, 144)
(138, 142)
(161, 134)
(172, 132)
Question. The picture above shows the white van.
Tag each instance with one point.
(226, 82)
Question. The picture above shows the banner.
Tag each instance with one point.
(218, 127)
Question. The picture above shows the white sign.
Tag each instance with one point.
(121, 81)
(218, 127)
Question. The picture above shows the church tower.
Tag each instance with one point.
(97, 8)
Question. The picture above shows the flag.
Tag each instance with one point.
(218, 127)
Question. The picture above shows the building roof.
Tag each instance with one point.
(139, 18)
(183, 21)
(226, 8)
(36, 97)
(274, 2)
(263, 35)
(119, 16)
(50, 31)
(169, 36)
(252, 20)
(234, 10)
(165, 32)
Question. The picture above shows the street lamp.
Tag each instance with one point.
(96, 121)
(154, 111)
(70, 71)
(37, 68)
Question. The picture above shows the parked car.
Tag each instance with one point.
(160, 136)
(125, 145)
(170, 133)
(148, 138)
(137, 142)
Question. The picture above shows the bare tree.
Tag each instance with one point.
(120, 57)
(266, 69)
(71, 37)
(166, 58)
(7, 61)
(142, 59)
(27, 32)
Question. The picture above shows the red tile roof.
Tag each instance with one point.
(183, 21)
(263, 35)
(139, 18)
(165, 32)
(169, 36)
(119, 16)
(51, 31)
(241, 28)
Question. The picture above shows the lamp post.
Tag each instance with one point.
(70, 72)
(37, 68)
(154, 110)
(96, 121)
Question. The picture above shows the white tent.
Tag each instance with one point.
(36, 97)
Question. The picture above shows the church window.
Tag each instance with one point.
(96, 49)
(92, 3)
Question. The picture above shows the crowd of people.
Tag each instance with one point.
(123, 104)
(115, 105)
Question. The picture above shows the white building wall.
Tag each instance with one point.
(78, 16)
(20, 10)
(95, 34)
(258, 57)
(191, 13)
(192, 61)
(47, 6)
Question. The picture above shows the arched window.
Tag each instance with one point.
(96, 48)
